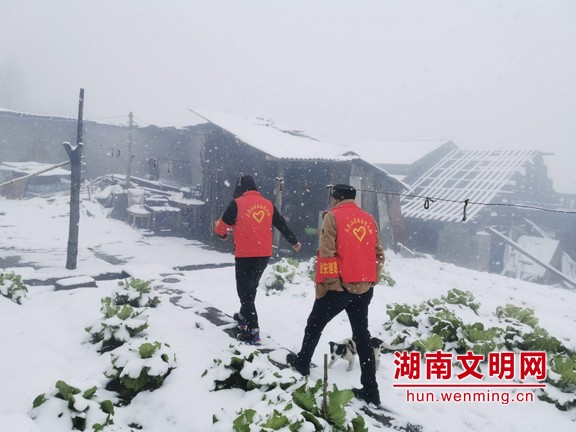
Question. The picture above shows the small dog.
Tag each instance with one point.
(346, 349)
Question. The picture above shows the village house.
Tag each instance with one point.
(491, 211)
(181, 180)
(294, 170)
(162, 161)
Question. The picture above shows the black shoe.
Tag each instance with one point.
(294, 361)
(251, 337)
(368, 396)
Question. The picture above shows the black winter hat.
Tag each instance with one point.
(343, 191)
(244, 183)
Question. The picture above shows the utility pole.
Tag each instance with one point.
(75, 155)
(130, 155)
(278, 191)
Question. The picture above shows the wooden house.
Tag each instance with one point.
(167, 154)
(161, 160)
(293, 170)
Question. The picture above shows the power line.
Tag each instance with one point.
(107, 118)
(466, 202)
(429, 200)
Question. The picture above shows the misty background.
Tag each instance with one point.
(490, 74)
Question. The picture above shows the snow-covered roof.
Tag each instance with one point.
(15, 114)
(398, 152)
(275, 141)
(476, 175)
(26, 168)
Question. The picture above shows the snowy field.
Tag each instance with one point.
(43, 340)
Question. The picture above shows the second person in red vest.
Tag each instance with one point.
(251, 217)
(350, 260)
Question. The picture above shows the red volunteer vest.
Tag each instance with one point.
(355, 243)
(253, 228)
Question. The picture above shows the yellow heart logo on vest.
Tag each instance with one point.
(359, 232)
(258, 216)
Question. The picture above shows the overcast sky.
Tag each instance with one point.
(493, 74)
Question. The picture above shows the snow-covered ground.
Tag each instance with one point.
(43, 340)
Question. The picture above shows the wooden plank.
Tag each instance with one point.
(532, 257)
(26, 177)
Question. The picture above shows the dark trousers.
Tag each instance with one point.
(248, 274)
(356, 307)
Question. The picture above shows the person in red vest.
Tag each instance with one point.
(350, 260)
(251, 217)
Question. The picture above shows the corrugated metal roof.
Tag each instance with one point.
(273, 140)
(476, 175)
